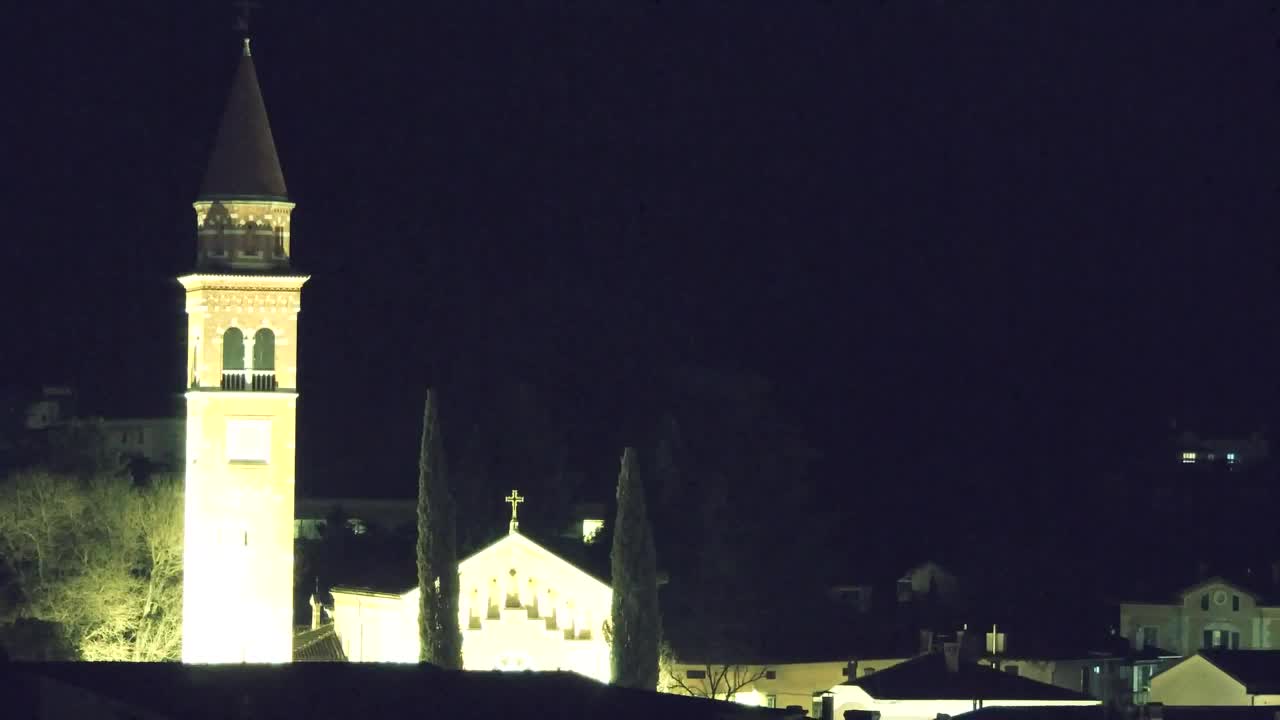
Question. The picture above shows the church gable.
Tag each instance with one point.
(521, 606)
(516, 547)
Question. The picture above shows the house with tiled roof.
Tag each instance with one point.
(1221, 677)
(1035, 712)
(946, 683)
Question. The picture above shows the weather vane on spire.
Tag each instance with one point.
(242, 22)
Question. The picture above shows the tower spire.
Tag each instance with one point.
(244, 164)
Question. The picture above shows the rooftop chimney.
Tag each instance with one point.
(951, 652)
(315, 613)
(926, 641)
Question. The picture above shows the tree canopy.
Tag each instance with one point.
(97, 562)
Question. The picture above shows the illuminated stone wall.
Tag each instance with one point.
(216, 303)
(238, 534)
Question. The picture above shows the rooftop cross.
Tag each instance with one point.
(515, 500)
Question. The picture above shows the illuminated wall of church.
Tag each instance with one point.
(521, 608)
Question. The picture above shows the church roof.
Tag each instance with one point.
(244, 163)
(401, 576)
(318, 645)
(564, 549)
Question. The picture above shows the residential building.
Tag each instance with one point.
(56, 404)
(946, 683)
(781, 684)
(161, 442)
(1221, 677)
(1230, 452)
(1212, 614)
(312, 515)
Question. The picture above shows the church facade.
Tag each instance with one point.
(242, 304)
(521, 607)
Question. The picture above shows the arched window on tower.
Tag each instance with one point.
(252, 244)
(264, 360)
(233, 375)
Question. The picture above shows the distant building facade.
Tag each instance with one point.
(1214, 614)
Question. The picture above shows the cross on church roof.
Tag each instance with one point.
(515, 500)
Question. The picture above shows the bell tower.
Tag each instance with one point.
(242, 305)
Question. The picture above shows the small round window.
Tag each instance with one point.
(1220, 598)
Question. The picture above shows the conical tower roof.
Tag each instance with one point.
(244, 163)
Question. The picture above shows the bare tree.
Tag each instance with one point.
(714, 681)
(101, 560)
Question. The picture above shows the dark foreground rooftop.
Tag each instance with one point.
(1033, 712)
(927, 678)
(332, 690)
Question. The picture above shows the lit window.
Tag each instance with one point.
(1231, 457)
(1188, 457)
(249, 440)
(589, 529)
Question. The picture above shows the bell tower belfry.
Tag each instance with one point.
(242, 305)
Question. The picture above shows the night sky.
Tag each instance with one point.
(976, 245)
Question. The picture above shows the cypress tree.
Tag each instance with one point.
(428, 594)
(636, 625)
(449, 642)
(439, 637)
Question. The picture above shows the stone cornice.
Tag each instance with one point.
(200, 281)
